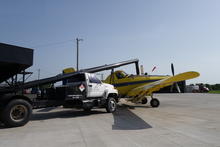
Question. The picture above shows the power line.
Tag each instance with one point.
(41, 45)
(52, 44)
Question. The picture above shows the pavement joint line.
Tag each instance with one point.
(83, 137)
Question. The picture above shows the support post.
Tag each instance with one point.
(77, 53)
(137, 68)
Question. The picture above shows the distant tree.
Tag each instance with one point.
(215, 87)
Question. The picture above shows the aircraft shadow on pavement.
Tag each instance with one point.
(61, 114)
(124, 119)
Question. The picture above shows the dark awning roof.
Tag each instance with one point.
(13, 60)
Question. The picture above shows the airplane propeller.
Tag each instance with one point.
(177, 86)
(172, 68)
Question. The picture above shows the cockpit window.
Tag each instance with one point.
(121, 75)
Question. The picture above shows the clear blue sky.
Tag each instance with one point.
(158, 32)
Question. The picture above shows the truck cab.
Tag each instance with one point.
(93, 87)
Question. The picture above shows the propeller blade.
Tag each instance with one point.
(177, 87)
(172, 69)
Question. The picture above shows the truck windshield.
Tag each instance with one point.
(94, 79)
(77, 78)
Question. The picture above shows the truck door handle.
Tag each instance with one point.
(90, 85)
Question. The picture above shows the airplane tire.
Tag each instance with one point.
(111, 105)
(154, 103)
(144, 101)
(16, 113)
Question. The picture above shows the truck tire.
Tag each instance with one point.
(111, 105)
(87, 109)
(16, 113)
(1, 115)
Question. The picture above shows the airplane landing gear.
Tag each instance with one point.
(154, 102)
(144, 101)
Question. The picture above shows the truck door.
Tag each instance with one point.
(95, 86)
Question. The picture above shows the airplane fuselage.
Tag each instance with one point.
(126, 83)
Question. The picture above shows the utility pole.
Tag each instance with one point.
(38, 74)
(101, 75)
(77, 54)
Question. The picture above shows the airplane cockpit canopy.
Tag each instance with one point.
(121, 74)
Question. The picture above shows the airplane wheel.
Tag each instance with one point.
(144, 101)
(154, 102)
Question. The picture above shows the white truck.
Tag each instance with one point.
(82, 90)
(88, 90)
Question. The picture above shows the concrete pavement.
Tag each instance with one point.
(181, 120)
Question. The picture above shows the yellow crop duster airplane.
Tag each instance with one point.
(138, 87)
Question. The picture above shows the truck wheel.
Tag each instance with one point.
(1, 115)
(87, 109)
(16, 113)
(111, 105)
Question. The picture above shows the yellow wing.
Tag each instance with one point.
(147, 89)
